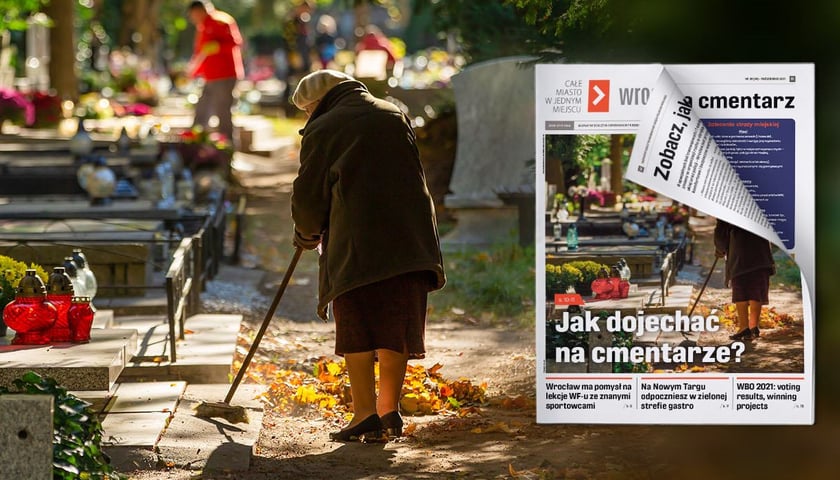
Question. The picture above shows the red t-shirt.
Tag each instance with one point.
(227, 61)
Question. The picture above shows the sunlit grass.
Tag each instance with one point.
(495, 285)
(787, 272)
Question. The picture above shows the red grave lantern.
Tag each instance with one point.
(80, 318)
(60, 294)
(30, 315)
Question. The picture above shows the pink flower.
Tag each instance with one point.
(138, 109)
(16, 107)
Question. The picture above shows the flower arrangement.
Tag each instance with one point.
(589, 271)
(677, 213)
(138, 109)
(15, 107)
(201, 147)
(95, 106)
(198, 135)
(637, 197)
(47, 109)
(592, 196)
(596, 196)
(11, 272)
(558, 278)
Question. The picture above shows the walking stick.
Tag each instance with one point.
(703, 288)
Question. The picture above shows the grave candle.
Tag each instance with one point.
(60, 294)
(30, 315)
(80, 318)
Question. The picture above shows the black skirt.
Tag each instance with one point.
(389, 314)
(753, 286)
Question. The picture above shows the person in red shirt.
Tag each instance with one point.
(217, 57)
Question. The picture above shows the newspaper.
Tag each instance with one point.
(727, 143)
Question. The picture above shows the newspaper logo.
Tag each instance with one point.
(599, 96)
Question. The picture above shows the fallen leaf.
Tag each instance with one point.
(496, 427)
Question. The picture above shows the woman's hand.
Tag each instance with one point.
(306, 242)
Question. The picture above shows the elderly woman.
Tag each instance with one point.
(361, 195)
(749, 264)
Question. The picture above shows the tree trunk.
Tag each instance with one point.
(554, 174)
(362, 13)
(139, 29)
(62, 66)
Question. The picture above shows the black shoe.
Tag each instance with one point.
(745, 334)
(368, 430)
(393, 424)
(755, 332)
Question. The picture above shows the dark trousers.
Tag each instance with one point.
(216, 99)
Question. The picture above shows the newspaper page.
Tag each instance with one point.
(648, 319)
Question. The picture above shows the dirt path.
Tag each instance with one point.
(502, 441)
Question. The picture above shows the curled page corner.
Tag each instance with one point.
(676, 155)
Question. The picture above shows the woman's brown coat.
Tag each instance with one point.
(362, 193)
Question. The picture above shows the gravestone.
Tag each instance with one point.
(496, 128)
(26, 436)
(37, 55)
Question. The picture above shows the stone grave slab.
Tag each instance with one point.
(678, 299)
(134, 429)
(89, 366)
(138, 413)
(145, 397)
(204, 356)
(213, 444)
(26, 434)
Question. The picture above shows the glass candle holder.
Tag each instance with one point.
(30, 315)
(60, 294)
(80, 317)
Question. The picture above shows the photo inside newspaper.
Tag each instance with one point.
(675, 243)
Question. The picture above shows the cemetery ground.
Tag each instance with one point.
(499, 437)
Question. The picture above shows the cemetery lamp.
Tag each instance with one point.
(81, 143)
(80, 317)
(101, 183)
(60, 294)
(83, 264)
(30, 314)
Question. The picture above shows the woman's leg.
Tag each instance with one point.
(392, 367)
(755, 313)
(362, 384)
(742, 311)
